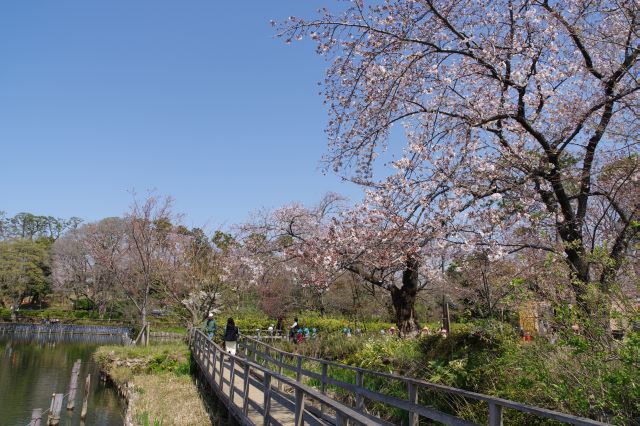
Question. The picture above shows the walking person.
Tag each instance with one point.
(293, 330)
(210, 326)
(231, 334)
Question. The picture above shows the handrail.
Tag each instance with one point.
(211, 359)
(495, 404)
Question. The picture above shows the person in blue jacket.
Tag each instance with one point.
(210, 326)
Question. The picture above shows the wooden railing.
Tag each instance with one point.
(234, 377)
(328, 374)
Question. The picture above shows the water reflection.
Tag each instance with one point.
(32, 367)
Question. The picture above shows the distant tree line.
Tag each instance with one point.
(25, 248)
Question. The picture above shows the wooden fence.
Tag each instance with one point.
(67, 331)
(247, 390)
(331, 374)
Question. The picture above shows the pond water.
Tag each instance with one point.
(32, 367)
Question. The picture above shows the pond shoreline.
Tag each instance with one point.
(151, 379)
(125, 394)
(35, 365)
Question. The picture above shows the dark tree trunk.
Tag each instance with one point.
(404, 300)
(592, 298)
(102, 309)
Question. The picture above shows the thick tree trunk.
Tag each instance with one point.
(404, 300)
(102, 308)
(592, 298)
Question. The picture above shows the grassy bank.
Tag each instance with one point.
(157, 377)
(250, 320)
(489, 357)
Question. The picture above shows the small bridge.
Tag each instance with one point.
(264, 385)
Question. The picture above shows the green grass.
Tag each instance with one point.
(488, 357)
(158, 377)
(171, 357)
(143, 420)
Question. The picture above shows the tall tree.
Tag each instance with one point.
(189, 273)
(512, 110)
(24, 271)
(91, 261)
(148, 222)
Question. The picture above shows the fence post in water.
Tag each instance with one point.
(36, 417)
(54, 410)
(73, 385)
(85, 399)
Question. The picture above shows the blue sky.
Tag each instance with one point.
(196, 99)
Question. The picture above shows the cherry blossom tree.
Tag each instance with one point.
(189, 273)
(91, 260)
(319, 244)
(149, 224)
(513, 111)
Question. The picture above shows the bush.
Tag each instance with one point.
(489, 357)
(83, 304)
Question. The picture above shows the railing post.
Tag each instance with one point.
(246, 347)
(495, 414)
(245, 389)
(299, 368)
(281, 360)
(212, 360)
(254, 355)
(267, 399)
(213, 367)
(323, 383)
(221, 377)
(413, 398)
(299, 416)
(339, 419)
(206, 360)
(359, 386)
(232, 376)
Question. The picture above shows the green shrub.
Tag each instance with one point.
(489, 357)
(83, 304)
(143, 420)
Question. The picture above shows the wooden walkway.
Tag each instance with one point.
(263, 385)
